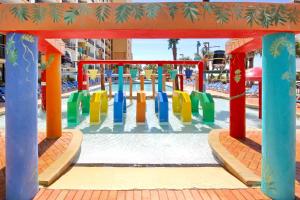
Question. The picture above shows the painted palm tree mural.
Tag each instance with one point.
(173, 46)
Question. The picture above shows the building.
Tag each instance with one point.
(121, 49)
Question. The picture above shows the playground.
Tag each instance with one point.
(257, 157)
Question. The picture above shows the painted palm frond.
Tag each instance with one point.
(84, 9)
(102, 12)
(237, 12)
(21, 12)
(137, 11)
(251, 15)
(293, 15)
(11, 51)
(152, 9)
(279, 15)
(191, 11)
(277, 45)
(265, 17)
(56, 12)
(207, 7)
(38, 14)
(172, 9)
(222, 14)
(123, 13)
(70, 15)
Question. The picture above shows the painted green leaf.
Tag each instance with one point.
(103, 12)
(251, 15)
(137, 11)
(191, 11)
(237, 12)
(265, 17)
(172, 9)
(207, 7)
(84, 9)
(70, 15)
(152, 9)
(11, 51)
(279, 43)
(21, 12)
(38, 14)
(293, 15)
(222, 14)
(123, 13)
(279, 15)
(56, 12)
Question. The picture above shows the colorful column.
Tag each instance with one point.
(259, 99)
(130, 88)
(120, 72)
(153, 85)
(160, 78)
(53, 95)
(142, 80)
(21, 116)
(102, 83)
(200, 76)
(237, 95)
(279, 116)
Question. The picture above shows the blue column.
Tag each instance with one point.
(21, 116)
(160, 78)
(120, 71)
(278, 121)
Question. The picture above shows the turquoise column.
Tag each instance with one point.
(160, 78)
(120, 72)
(278, 120)
(21, 116)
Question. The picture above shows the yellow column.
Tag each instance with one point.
(53, 95)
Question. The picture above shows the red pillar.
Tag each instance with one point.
(180, 77)
(43, 89)
(80, 76)
(259, 100)
(237, 95)
(200, 76)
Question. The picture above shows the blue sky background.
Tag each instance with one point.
(157, 49)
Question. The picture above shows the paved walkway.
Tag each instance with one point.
(193, 194)
(248, 152)
(49, 151)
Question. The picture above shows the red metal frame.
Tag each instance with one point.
(82, 76)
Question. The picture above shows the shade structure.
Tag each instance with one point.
(254, 74)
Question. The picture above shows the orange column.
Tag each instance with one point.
(142, 79)
(130, 88)
(53, 95)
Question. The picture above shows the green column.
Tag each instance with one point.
(278, 120)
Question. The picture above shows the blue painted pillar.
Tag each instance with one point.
(160, 78)
(278, 120)
(120, 72)
(21, 116)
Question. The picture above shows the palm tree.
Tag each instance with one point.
(173, 45)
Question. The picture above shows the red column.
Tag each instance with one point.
(43, 89)
(180, 77)
(237, 95)
(80, 76)
(200, 76)
(259, 100)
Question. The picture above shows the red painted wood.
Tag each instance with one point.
(123, 62)
(82, 78)
(200, 76)
(43, 89)
(180, 77)
(237, 95)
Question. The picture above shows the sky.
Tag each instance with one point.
(157, 49)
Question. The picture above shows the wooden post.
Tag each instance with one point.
(142, 80)
(164, 83)
(200, 76)
(153, 85)
(110, 87)
(130, 88)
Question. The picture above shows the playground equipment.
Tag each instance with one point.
(141, 103)
(98, 105)
(78, 101)
(207, 104)
(181, 102)
(161, 100)
(119, 99)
